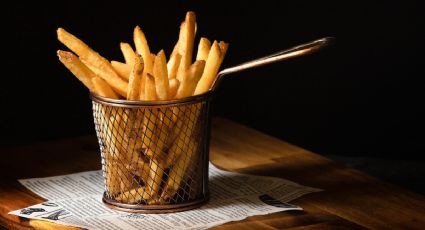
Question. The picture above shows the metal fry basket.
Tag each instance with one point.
(154, 153)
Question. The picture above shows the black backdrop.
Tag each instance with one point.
(363, 96)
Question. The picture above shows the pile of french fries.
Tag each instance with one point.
(147, 76)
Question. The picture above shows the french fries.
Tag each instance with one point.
(128, 53)
(173, 65)
(215, 57)
(161, 76)
(133, 92)
(92, 57)
(149, 151)
(150, 88)
(173, 87)
(150, 117)
(102, 88)
(81, 71)
(186, 42)
(203, 49)
(178, 171)
(122, 69)
(142, 48)
(154, 180)
(194, 74)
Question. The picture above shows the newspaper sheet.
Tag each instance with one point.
(76, 200)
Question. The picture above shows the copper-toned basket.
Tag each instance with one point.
(154, 153)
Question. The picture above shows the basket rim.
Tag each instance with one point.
(142, 103)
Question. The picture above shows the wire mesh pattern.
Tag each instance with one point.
(153, 157)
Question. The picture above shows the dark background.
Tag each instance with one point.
(359, 101)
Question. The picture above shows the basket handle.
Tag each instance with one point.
(295, 51)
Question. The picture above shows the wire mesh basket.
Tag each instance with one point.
(154, 153)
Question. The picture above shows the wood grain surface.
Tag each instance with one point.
(351, 200)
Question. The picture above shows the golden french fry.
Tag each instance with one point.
(186, 44)
(117, 178)
(187, 37)
(150, 117)
(182, 152)
(184, 126)
(173, 87)
(139, 168)
(173, 65)
(211, 69)
(103, 89)
(101, 86)
(119, 155)
(112, 182)
(115, 136)
(132, 196)
(142, 48)
(128, 53)
(115, 133)
(187, 87)
(162, 134)
(161, 76)
(126, 179)
(191, 174)
(223, 48)
(150, 88)
(135, 79)
(121, 149)
(81, 71)
(107, 75)
(122, 69)
(185, 119)
(183, 130)
(93, 68)
(184, 90)
(156, 130)
(203, 49)
(182, 34)
(86, 53)
(154, 179)
(149, 192)
(178, 171)
(144, 84)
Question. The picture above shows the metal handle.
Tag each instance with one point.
(295, 51)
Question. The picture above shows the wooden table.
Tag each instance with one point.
(351, 200)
